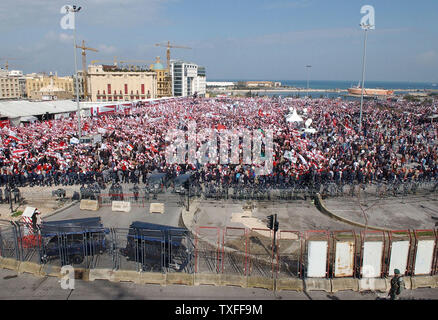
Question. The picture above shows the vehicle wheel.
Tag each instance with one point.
(77, 259)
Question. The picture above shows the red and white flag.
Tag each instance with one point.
(13, 135)
(19, 152)
(130, 147)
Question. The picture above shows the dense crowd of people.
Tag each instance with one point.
(398, 142)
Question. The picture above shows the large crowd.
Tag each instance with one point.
(397, 142)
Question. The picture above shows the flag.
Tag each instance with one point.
(19, 152)
(130, 147)
(13, 135)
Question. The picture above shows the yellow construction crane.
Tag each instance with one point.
(168, 46)
(133, 61)
(115, 61)
(7, 62)
(84, 66)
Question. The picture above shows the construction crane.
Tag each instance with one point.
(134, 61)
(84, 66)
(7, 62)
(168, 46)
(114, 61)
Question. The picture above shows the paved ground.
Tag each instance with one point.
(292, 215)
(171, 216)
(28, 287)
(411, 212)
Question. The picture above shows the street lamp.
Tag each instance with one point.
(308, 70)
(366, 27)
(74, 10)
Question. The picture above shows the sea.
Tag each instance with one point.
(343, 85)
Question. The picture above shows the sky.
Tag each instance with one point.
(238, 39)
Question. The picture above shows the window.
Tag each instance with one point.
(142, 89)
(109, 88)
(126, 88)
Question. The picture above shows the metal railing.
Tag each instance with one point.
(212, 250)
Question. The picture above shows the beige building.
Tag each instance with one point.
(36, 82)
(164, 80)
(51, 92)
(109, 83)
(258, 84)
(9, 86)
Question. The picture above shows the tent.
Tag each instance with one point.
(294, 117)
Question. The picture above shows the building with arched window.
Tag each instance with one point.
(110, 83)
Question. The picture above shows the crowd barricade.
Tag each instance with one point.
(180, 252)
(76, 246)
(425, 251)
(261, 252)
(208, 252)
(372, 254)
(229, 255)
(316, 254)
(289, 256)
(235, 251)
(124, 250)
(8, 240)
(399, 254)
(343, 257)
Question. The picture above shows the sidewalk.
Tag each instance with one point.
(28, 287)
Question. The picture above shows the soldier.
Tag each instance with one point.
(397, 285)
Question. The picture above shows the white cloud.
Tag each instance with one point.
(429, 58)
(288, 4)
(104, 49)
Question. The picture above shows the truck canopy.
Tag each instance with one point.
(157, 232)
(73, 226)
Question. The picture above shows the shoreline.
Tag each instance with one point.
(301, 90)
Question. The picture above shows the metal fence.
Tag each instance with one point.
(228, 251)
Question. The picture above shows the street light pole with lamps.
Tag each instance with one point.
(74, 9)
(308, 70)
(366, 27)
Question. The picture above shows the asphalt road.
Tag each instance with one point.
(15, 286)
(171, 216)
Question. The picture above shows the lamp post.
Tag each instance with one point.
(74, 10)
(366, 27)
(308, 70)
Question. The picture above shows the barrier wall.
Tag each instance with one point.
(228, 256)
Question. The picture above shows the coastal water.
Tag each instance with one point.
(342, 85)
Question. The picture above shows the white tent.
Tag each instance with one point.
(310, 130)
(294, 117)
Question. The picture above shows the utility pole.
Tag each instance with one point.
(75, 10)
(366, 27)
(308, 70)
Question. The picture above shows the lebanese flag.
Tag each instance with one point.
(13, 135)
(19, 152)
(261, 114)
(130, 147)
